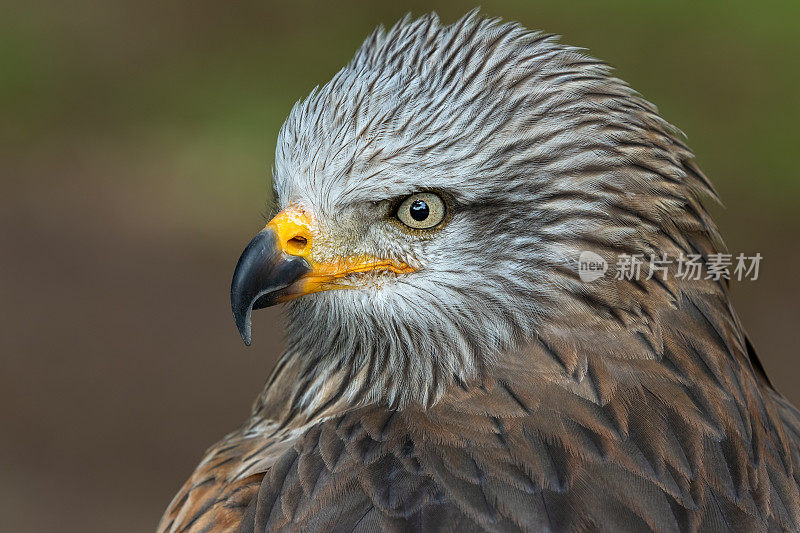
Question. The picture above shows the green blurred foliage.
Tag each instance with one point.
(184, 99)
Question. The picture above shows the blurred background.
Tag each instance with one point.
(135, 142)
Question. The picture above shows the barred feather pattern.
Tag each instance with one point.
(492, 389)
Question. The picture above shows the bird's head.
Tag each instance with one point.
(435, 195)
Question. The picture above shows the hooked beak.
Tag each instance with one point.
(277, 266)
(263, 270)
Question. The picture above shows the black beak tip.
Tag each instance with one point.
(262, 271)
(241, 315)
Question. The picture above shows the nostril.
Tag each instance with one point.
(297, 244)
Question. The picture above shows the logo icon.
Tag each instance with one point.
(591, 266)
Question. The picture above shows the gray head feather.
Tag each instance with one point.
(542, 154)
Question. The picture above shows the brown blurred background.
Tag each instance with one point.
(134, 145)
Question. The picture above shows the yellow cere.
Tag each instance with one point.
(294, 226)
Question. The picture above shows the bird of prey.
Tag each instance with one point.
(447, 368)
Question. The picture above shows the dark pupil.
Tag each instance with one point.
(419, 210)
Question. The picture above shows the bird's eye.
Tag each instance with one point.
(422, 210)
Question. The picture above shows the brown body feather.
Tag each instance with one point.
(688, 439)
